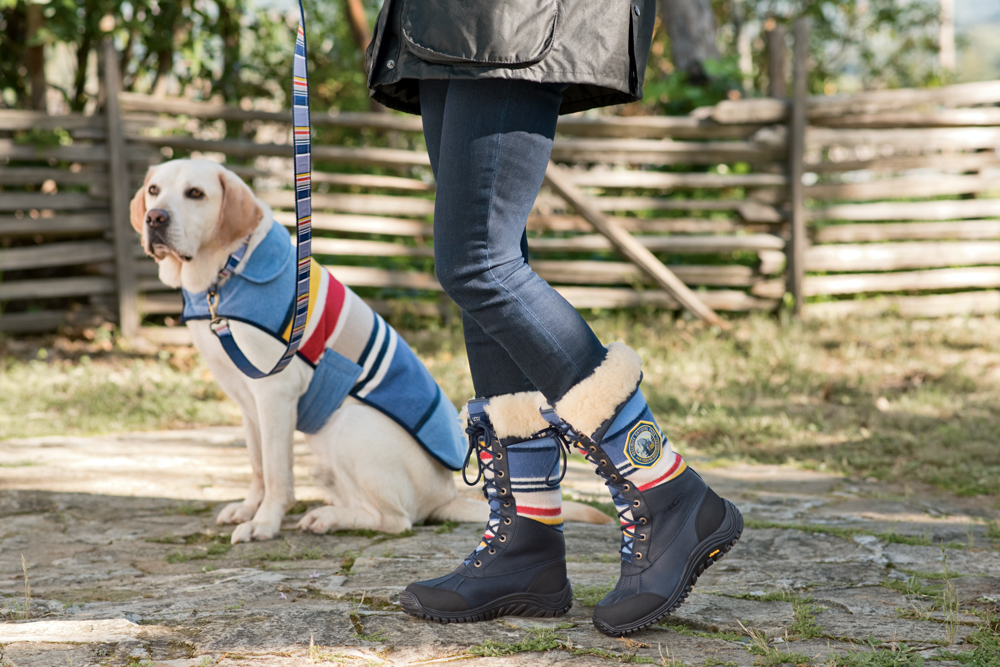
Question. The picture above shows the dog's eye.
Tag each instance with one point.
(154, 190)
(195, 193)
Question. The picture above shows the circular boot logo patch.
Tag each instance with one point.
(642, 447)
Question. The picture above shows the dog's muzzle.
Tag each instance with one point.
(158, 241)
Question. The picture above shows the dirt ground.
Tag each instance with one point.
(115, 535)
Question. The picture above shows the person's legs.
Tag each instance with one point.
(492, 145)
(494, 372)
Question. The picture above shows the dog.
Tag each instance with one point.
(378, 470)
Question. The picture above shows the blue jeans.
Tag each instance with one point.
(489, 142)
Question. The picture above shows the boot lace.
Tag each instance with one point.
(480, 436)
(569, 439)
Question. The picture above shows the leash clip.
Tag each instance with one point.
(218, 323)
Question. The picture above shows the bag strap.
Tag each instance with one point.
(303, 226)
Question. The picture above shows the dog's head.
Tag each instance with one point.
(192, 214)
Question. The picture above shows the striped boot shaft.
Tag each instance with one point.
(619, 434)
(534, 471)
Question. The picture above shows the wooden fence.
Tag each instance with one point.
(883, 193)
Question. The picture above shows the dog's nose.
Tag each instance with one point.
(157, 217)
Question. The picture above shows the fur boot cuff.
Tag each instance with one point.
(593, 401)
(514, 415)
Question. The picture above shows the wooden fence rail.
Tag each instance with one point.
(887, 199)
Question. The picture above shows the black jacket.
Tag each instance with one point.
(598, 46)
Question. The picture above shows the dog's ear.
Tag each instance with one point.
(137, 209)
(239, 214)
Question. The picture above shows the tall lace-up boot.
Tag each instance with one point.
(519, 567)
(673, 525)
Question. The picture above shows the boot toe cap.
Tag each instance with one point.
(438, 599)
(620, 615)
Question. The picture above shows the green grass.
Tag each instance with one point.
(447, 527)
(896, 655)
(536, 640)
(589, 596)
(986, 653)
(117, 393)
(804, 393)
(803, 611)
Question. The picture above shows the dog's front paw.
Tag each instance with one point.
(254, 531)
(236, 513)
(319, 520)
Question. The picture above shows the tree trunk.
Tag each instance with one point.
(354, 10)
(35, 57)
(355, 13)
(691, 27)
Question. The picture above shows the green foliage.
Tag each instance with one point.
(803, 610)
(123, 395)
(589, 596)
(215, 47)
(675, 93)
(896, 655)
(987, 651)
(447, 527)
(542, 639)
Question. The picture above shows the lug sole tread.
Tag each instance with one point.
(524, 608)
(669, 608)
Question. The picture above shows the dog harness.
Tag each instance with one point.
(387, 375)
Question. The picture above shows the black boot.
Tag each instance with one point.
(520, 566)
(673, 525)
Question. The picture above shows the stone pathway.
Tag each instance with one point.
(127, 567)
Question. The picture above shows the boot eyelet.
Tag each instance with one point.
(507, 504)
(593, 449)
(643, 519)
(636, 503)
(478, 563)
(500, 474)
(503, 491)
(613, 476)
(642, 537)
(499, 456)
(627, 487)
(506, 521)
(638, 556)
(603, 462)
(491, 551)
(502, 538)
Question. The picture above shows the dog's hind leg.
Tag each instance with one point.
(244, 511)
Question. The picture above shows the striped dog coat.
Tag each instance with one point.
(351, 349)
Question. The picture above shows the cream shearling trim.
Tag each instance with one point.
(593, 401)
(517, 415)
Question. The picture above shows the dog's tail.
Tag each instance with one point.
(463, 510)
(574, 511)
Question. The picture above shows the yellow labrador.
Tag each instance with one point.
(194, 214)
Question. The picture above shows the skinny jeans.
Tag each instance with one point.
(489, 142)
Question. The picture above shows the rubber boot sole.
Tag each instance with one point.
(710, 551)
(533, 605)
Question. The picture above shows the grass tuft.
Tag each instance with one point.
(542, 639)
(589, 596)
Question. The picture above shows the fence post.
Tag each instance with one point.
(777, 85)
(796, 151)
(118, 177)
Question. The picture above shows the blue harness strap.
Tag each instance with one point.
(303, 217)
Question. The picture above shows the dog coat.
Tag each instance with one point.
(386, 375)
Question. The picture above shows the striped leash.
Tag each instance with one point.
(303, 226)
